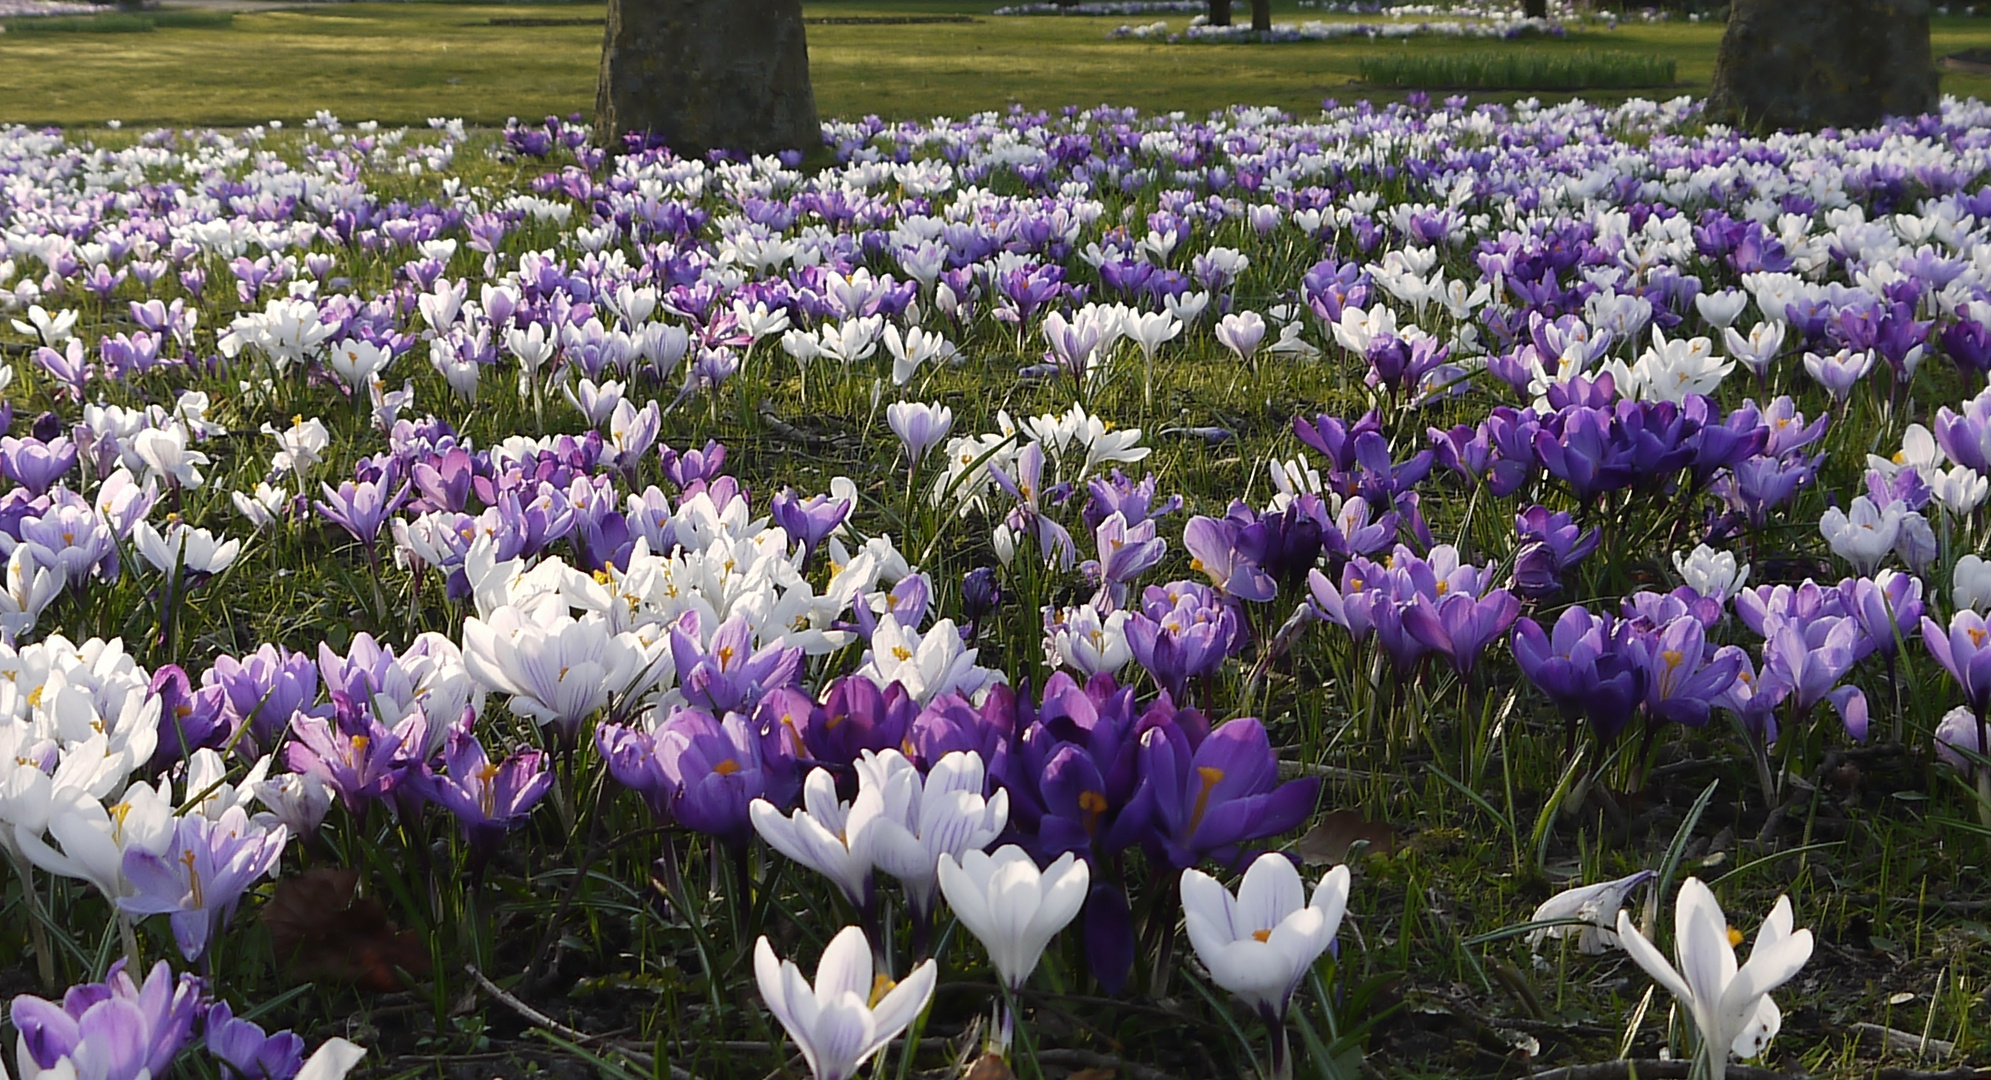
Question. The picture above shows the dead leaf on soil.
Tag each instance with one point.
(327, 934)
(1333, 836)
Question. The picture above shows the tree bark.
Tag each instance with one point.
(1536, 9)
(704, 75)
(1261, 15)
(1220, 12)
(1812, 64)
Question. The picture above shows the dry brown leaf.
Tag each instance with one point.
(988, 1067)
(1331, 838)
(326, 933)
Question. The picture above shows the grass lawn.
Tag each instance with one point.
(402, 63)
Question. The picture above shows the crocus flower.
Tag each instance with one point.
(822, 836)
(114, 1030)
(488, 799)
(729, 675)
(1260, 942)
(246, 1051)
(361, 508)
(1011, 907)
(355, 754)
(920, 427)
(848, 1015)
(1459, 625)
(1964, 650)
(1730, 1005)
(1182, 632)
(1865, 535)
(913, 820)
(1597, 907)
(1213, 794)
(202, 874)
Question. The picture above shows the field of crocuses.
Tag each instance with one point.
(1403, 590)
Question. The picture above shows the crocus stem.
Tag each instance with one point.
(129, 937)
(1282, 1051)
(1983, 774)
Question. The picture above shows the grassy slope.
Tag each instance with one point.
(401, 63)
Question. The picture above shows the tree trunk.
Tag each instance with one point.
(704, 75)
(1261, 15)
(1220, 12)
(1536, 9)
(1823, 63)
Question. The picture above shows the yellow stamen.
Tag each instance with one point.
(1211, 776)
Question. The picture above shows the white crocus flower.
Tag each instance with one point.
(1864, 535)
(333, 1059)
(1757, 350)
(1597, 905)
(357, 362)
(1011, 907)
(1088, 642)
(911, 821)
(1972, 584)
(1730, 1006)
(914, 348)
(927, 665)
(261, 506)
(822, 836)
(166, 456)
(1721, 309)
(1260, 942)
(1960, 490)
(1672, 370)
(1711, 573)
(183, 549)
(300, 446)
(1241, 332)
(556, 668)
(1151, 329)
(847, 1016)
(53, 330)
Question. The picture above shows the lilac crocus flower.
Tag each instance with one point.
(188, 720)
(353, 752)
(361, 508)
(1182, 631)
(246, 1052)
(1126, 551)
(714, 768)
(808, 521)
(261, 691)
(202, 874)
(1887, 608)
(34, 464)
(1135, 501)
(487, 799)
(1213, 550)
(1459, 625)
(1682, 678)
(1964, 650)
(1550, 545)
(114, 1030)
(1214, 795)
(729, 675)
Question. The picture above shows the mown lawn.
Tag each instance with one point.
(402, 63)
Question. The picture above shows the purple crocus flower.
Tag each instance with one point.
(188, 720)
(810, 520)
(487, 799)
(361, 508)
(1213, 550)
(693, 466)
(1115, 494)
(1585, 666)
(1551, 544)
(1887, 608)
(1964, 650)
(729, 675)
(202, 874)
(713, 768)
(1682, 679)
(856, 715)
(1459, 625)
(246, 1052)
(1182, 631)
(261, 691)
(353, 752)
(113, 1030)
(1210, 796)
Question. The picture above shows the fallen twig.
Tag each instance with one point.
(534, 1016)
(1086, 1059)
(1650, 1070)
(1902, 1042)
(1961, 1072)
